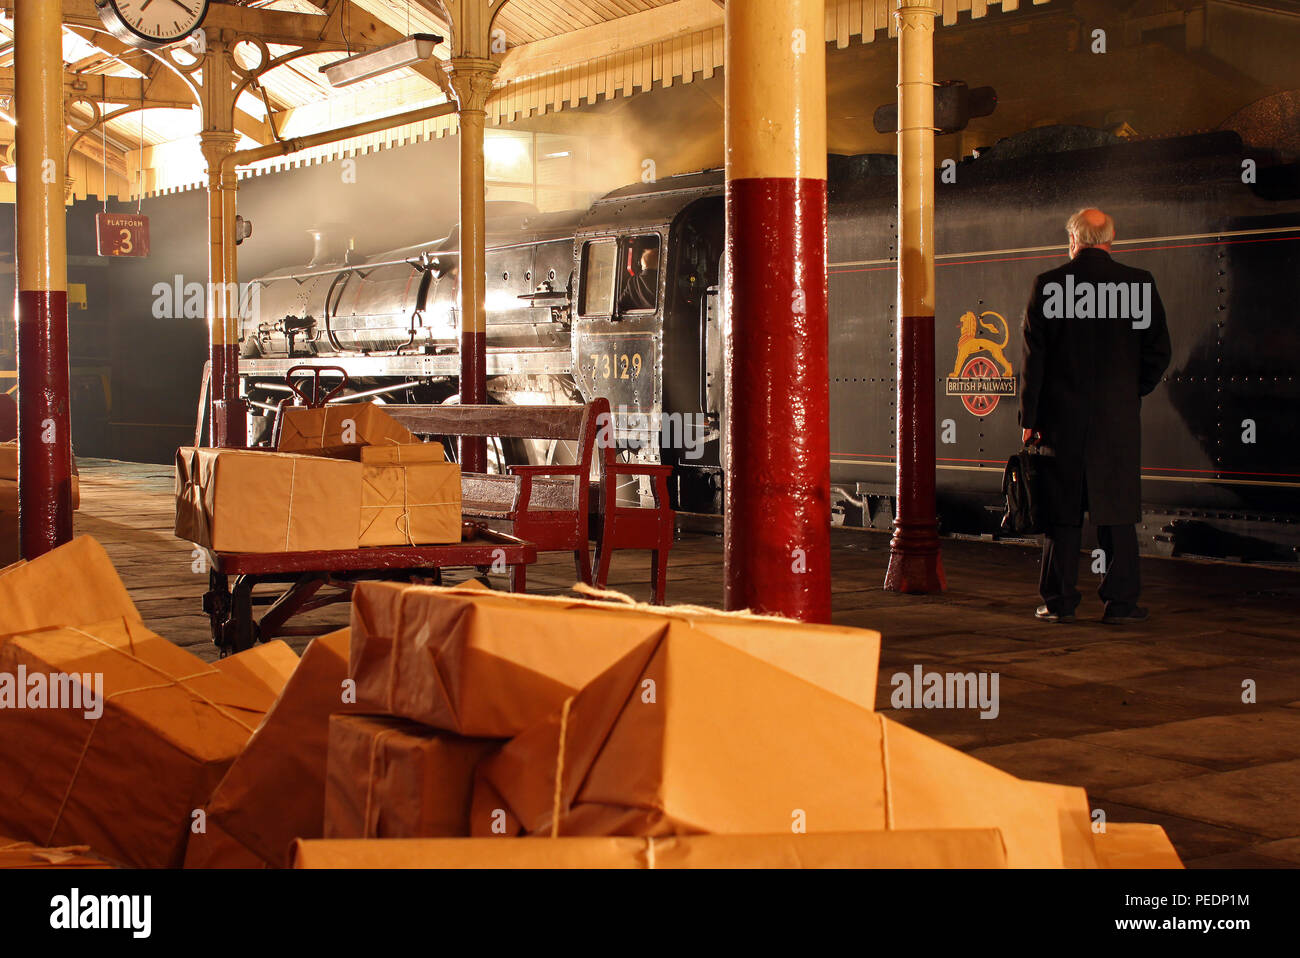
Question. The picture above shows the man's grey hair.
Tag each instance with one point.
(1086, 233)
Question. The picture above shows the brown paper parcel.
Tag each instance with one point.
(391, 453)
(240, 501)
(965, 848)
(340, 426)
(413, 504)
(71, 585)
(390, 778)
(126, 782)
(267, 666)
(1133, 845)
(214, 847)
(490, 665)
(275, 790)
(689, 735)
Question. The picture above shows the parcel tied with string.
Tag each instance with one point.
(491, 665)
(122, 762)
(340, 429)
(410, 503)
(390, 778)
(233, 500)
(687, 734)
(71, 585)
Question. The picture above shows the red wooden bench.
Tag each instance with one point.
(551, 505)
(544, 505)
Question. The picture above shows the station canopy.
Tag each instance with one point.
(553, 56)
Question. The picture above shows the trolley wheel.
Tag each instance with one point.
(216, 603)
(240, 631)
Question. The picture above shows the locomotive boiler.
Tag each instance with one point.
(625, 300)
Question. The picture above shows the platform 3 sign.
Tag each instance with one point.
(122, 234)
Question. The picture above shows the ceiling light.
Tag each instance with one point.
(385, 59)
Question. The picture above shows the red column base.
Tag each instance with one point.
(230, 424)
(44, 422)
(915, 562)
(473, 392)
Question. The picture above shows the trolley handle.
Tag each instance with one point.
(316, 401)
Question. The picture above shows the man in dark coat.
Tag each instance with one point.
(1095, 343)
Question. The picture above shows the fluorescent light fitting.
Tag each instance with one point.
(381, 60)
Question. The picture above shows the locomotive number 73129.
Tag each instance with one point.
(615, 365)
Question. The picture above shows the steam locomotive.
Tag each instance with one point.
(1218, 225)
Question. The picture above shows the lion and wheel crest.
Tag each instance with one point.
(982, 374)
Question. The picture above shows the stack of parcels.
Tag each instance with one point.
(9, 549)
(513, 721)
(111, 736)
(274, 792)
(309, 497)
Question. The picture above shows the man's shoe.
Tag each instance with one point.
(1132, 614)
(1047, 615)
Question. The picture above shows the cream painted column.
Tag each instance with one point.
(471, 78)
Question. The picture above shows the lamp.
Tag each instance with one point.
(385, 59)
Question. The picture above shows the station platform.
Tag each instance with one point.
(1152, 719)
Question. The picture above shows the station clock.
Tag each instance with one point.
(150, 24)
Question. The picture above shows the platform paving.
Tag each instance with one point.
(1149, 718)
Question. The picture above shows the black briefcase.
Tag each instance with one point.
(1022, 486)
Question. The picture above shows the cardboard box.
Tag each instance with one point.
(275, 790)
(16, 854)
(1132, 845)
(124, 769)
(267, 666)
(390, 778)
(391, 453)
(413, 504)
(490, 665)
(340, 426)
(71, 585)
(688, 734)
(970, 848)
(243, 501)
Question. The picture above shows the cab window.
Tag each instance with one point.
(599, 271)
(639, 273)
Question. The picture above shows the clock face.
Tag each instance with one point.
(152, 23)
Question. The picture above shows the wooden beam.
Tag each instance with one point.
(272, 26)
(614, 36)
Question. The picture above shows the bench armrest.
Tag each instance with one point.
(658, 472)
(526, 474)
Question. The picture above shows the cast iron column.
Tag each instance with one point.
(229, 428)
(777, 549)
(44, 422)
(471, 78)
(914, 561)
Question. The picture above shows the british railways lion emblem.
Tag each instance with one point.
(982, 374)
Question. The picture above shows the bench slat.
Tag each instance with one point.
(515, 422)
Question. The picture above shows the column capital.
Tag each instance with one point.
(916, 13)
(471, 79)
(216, 146)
